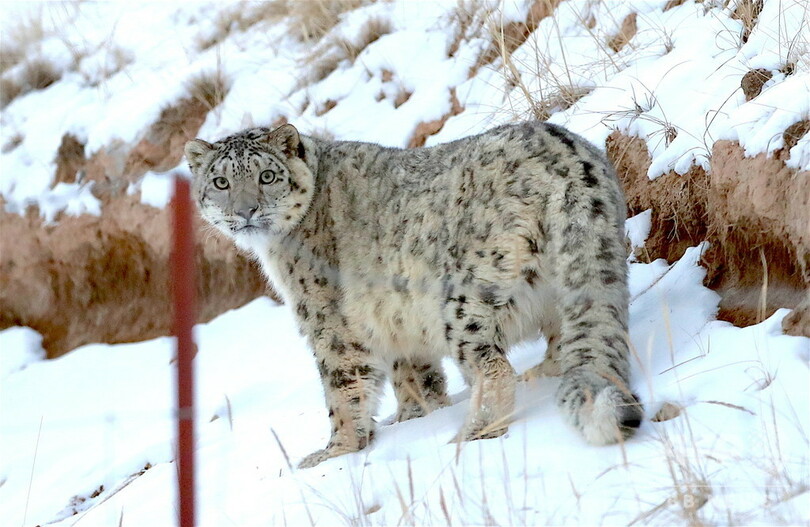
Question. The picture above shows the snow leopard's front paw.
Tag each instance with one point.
(603, 409)
(480, 430)
(322, 455)
(338, 446)
(410, 411)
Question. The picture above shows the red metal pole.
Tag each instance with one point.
(183, 293)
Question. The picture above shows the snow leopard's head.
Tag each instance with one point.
(252, 185)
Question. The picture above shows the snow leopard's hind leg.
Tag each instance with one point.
(420, 387)
(591, 268)
(550, 367)
(473, 331)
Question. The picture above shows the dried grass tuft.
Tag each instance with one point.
(747, 12)
(35, 75)
(69, 160)
(241, 17)
(209, 88)
(13, 142)
(559, 100)
(506, 38)
(373, 29)
(311, 20)
(626, 32)
(469, 20)
(326, 57)
(752, 82)
(794, 132)
(16, 39)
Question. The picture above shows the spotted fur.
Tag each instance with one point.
(392, 259)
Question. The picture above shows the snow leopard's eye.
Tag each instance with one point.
(221, 183)
(267, 177)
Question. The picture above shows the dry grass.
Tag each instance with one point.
(311, 20)
(559, 99)
(327, 56)
(643, 106)
(34, 75)
(22, 65)
(115, 60)
(626, 32)
(322, 62)
(747, 12)
(16, 39)
(686, 473)
(468, 19)
(242, 16)
(70, 159)
(555, 94)
(506, 38)
(12, 143)
(753, 81)
(373, 29)
(209, 88)
(325, 107)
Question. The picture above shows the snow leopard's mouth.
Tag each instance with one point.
(249, 228)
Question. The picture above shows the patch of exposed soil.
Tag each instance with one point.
(755, 212)
(161, 148)
(426, 129)
(106, 279)
(753, 81)
(69, 159)
(626, 32)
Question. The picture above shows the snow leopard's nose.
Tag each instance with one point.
(247, 213)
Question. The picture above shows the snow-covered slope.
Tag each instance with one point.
(91, 434)
(676, 83)
(88, 438)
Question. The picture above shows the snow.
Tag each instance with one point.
(638, 228)
(19, 347)
(110, 408)
(156, 189)
(89, 437)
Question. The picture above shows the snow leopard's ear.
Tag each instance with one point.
(195, 152)
(287, 139)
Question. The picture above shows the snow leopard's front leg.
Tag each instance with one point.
(351, 385)
(351, 379)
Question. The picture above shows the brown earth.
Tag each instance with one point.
(105, 279)
(754, 211)
(426, 129)
(626, 33)
(753, 81)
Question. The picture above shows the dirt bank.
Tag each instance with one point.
(755, 212)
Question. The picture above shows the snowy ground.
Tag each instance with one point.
(88, 438)
(78, 432)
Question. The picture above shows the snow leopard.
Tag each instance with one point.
(393, 259)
